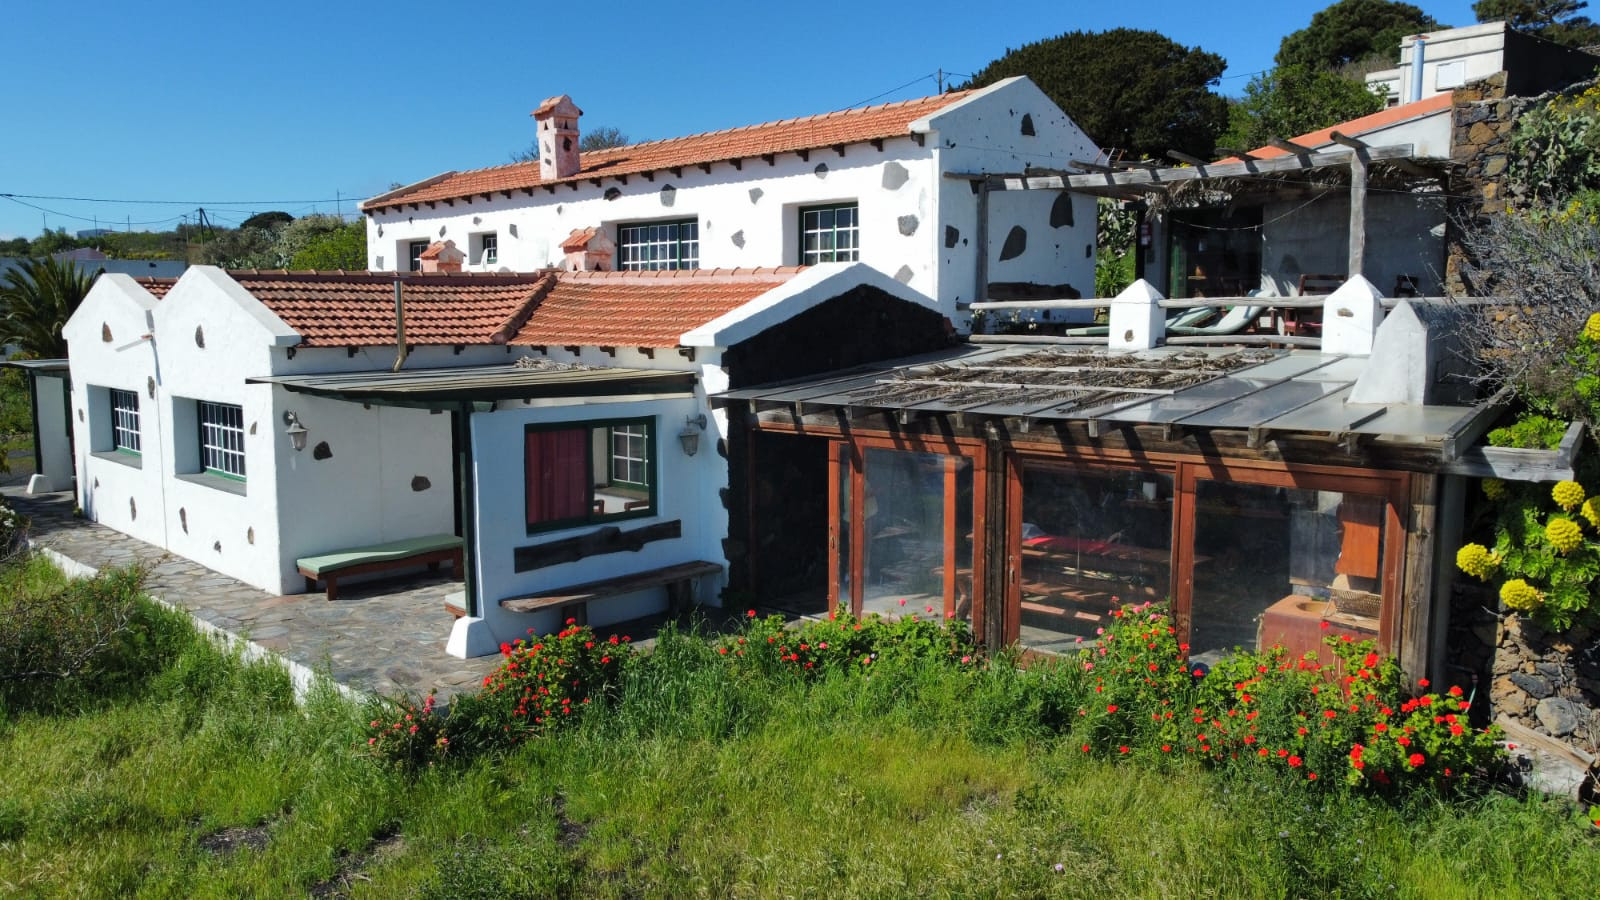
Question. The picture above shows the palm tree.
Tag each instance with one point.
(36, 299)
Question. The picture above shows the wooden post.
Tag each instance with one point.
(1452, 506)
(980, 291)
(1415, 630)
(1358, 213)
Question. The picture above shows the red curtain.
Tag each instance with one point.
(557, 465)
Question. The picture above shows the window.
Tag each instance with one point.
(415, 249)
(222, 439)
(584, 472)
(124, 421)
(485, 248)
(830, 234)
(659, 245)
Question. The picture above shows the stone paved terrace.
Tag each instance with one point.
(385, 636)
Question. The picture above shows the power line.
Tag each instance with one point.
(11, 196)
(64, 215)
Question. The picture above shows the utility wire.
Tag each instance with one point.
(11, 196)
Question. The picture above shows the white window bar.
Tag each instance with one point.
(222, 439)
(125, 421)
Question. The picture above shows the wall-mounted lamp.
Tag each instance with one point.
(689, 437)
(295, 431)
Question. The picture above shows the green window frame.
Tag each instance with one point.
(221, 439)
(125, 421)
(830, 233)
(576, 473)
(670, 244)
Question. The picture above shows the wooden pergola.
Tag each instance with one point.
(1140, 179)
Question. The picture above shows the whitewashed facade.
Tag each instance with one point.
(916, 225)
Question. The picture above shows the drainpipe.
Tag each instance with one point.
(399, 324)
(1419, 55)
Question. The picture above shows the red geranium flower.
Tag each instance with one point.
(1416, 760)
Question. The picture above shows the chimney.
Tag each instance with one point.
(441, 257)
(587, 250)
(558, 138)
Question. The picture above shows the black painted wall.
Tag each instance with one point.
(778, 545)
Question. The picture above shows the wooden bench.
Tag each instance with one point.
(575, 599)
(429, 550)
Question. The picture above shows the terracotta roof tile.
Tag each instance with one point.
(1355, 127)
(578, 239)
(641, 309)
(786, 136)
(592, 309)
(157, 287)
(341, 309)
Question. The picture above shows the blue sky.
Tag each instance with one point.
(290, 105)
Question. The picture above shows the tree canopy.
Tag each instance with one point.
(600, 137)
(267, 220)
(1137, 91)
(1351, 31)
(1553, 20)
(36, 299)
(1291, 100)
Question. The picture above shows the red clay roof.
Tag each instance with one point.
(808, 133)
(1391, 116)
(343, 309)
(641, 309)
(157, 287)
(579, 239)
(549, 308)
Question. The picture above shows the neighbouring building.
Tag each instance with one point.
(891, 186)
(1440, 62)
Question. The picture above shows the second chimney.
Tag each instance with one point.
(558, 138)
(441, 257)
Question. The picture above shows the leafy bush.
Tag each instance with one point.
(415, 739)
(1546, 560)
(1556, 147)
(69, 641)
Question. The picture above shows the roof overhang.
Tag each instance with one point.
(37, 366)
(449, 388)
(1262, 394)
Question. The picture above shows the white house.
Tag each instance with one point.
(556, 422)
(872, 185)
(1438, 62)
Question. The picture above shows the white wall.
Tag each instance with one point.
(988, 137)
(50, 408)
(1450, 59)
(687, 490)
(108, 350)
(365, 489)
(749, 216)
(1405, 236)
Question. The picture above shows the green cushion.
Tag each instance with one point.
(355, 556)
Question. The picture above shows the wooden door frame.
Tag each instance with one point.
(855, 446)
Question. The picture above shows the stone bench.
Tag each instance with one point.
(574, 600)
(429, 550)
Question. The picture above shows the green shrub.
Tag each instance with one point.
(1546, 553)
(83, 639)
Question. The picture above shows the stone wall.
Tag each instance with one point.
(1547, 682)
(1480, 149)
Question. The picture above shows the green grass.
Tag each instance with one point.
(702, 783)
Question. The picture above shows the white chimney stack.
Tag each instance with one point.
(558, 138)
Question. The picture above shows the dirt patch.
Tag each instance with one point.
(383, 845)
(569, 834)
(231, 840)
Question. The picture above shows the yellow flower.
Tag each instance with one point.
(1494, 488)
(1567, 494)
(1591, 328)
(1477, 561)
(1563, 534)
(1591, 511)
(1519, 594)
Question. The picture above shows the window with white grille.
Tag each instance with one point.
(124, 421)
(659, 245)
(830, 233)
(222, 439)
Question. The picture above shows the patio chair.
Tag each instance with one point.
(1237, 319)
(1184, 319)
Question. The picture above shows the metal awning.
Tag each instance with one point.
(40, 366)
(484, 384)
(1256, 390)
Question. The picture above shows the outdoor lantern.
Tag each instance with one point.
(295, 431)
(689, 437)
